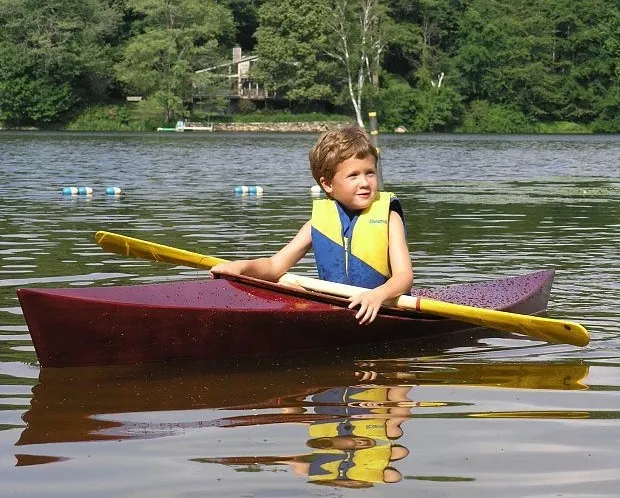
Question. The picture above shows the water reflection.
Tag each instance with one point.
(355, 413)
(353, 436)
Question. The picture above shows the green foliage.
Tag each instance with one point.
(26, 102)
(291, 45)
(210, 93)
(106, 118)
(245, 14)
(421, 109)
(173, 41)
(507, 50)
(246, 107)
(141, 116)
(609, 112)
(284, 117)
(313, 50)
(563, 127)
(421, 35)
(482, 117)
(587, 35)
(394, 103)
(552, 60)
(606, 125)
(53, 56)
(550, 66)
(147, 116)
(437, 105)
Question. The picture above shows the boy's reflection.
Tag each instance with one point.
(357, 448)
(352, 432)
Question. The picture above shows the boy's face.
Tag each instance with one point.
(355, 183)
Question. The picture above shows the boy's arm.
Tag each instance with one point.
(274, 267)
(399, 283)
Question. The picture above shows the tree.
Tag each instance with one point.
(586, 54)
(245, 14)
(54, 56)
(291, 44)
(311, 50)
(506, 56)
(358, 43)
(422, 35)
(174, 39)
(553, 60)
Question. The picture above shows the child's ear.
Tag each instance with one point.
(326, 184)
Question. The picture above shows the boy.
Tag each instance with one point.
(357, 234)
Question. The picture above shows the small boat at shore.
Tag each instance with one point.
(181, 126)
(234, 317)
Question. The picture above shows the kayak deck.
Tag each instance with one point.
(232, 292)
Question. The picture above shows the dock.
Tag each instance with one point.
(182, 126)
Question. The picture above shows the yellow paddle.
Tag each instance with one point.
(546, 329)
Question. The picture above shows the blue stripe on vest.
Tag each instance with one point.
(335, 271)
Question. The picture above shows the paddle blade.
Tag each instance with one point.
(545, 329)
(136, 248)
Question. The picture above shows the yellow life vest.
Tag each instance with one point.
(362, 258)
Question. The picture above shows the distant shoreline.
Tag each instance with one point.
(285, 127)
(278, 127)
(281, 127)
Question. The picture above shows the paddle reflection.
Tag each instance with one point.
(355, 413)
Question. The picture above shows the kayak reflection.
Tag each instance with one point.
(354, 411)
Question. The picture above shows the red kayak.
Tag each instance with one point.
(238, 317)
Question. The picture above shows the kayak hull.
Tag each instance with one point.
(237, 317)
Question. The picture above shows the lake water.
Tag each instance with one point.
(500, 416)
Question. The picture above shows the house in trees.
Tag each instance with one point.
(231, 80)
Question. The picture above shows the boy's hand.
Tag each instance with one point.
(229, 268)
(369, 302)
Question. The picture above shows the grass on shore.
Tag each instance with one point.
(563, 127)
(143, 117)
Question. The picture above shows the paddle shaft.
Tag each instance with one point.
(546, 329)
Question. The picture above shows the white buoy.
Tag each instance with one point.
(316, 190)
(85, 191)
(255, 190)
(251, 190)
(69, 191)
(113, 191)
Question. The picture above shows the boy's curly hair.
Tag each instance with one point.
(336, 146)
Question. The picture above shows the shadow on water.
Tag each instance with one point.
(353, 409)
